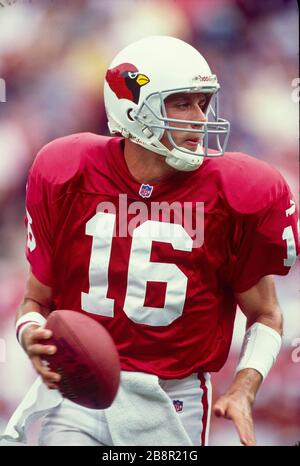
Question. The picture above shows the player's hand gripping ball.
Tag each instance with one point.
(86, 358)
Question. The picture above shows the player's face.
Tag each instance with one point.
(184, 106)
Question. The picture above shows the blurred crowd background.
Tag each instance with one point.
(53, 57)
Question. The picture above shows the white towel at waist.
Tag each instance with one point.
(38, 400)
(143, 414)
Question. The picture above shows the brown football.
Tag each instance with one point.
(86, 358)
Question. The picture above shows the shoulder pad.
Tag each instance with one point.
(248, 184)
(65, 158)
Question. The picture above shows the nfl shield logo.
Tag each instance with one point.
(178, 405)
(145, 190)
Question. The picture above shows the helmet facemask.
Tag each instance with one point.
(153, 118)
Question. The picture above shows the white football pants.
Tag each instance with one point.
(70, 424)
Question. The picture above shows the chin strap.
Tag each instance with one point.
(177, 160)
(174, 158)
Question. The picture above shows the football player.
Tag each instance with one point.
(159, 234)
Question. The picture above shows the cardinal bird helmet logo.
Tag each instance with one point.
(126, 81)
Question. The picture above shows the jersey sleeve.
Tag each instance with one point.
(38, 223)
(269, 243)
(59, 166)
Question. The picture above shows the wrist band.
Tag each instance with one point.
(260, 349)
(28, 319)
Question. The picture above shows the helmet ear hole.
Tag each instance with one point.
(129, 114)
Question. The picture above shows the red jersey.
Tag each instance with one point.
(157, 265)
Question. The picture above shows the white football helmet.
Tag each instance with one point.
(137, 82)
